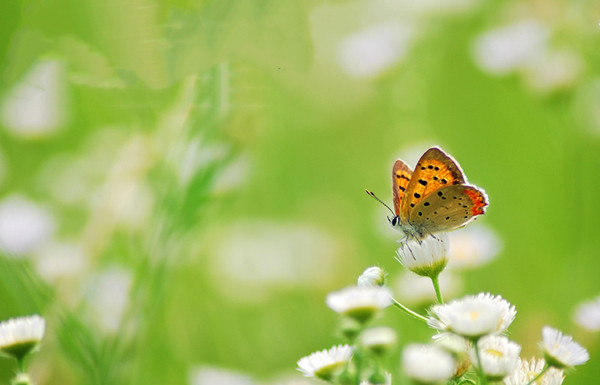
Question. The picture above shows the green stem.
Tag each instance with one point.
(411, 313)
(357, 358)
(21, 363)
(436, 286)
(479, 367)
(539, 375)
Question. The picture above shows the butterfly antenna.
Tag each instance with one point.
(370, 193)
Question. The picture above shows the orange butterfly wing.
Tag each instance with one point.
(401, 175)
(450, 207)
(434, 170)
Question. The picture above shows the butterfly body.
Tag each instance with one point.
(433, 198)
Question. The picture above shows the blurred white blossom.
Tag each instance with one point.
(452, 343)
(293, 379)
(253, 256)
(379, 339)
(554, 70)
(207, 375)
(58, 260)
(427, 364)
(587, 315)
(37, 105)
(108, 298)
(511, 47)
(359, 302)
(472, 247)
(25, 226)
(124, 199)
(374, 50)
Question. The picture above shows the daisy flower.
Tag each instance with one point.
(427, 257)
(325, 364)
(428, 364)
(372, 276)
(378, 339)
(360, 302)
(587, 315)
(473, 316)
(498, 356)
(560, 350)
(528, 370)
(19, 336)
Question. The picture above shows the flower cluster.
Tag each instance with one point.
(470, 342)
(358, 361)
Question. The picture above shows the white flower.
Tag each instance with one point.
(509, 48)
(36, 106)
(473, 316)
(458, 347)
(108, 298)
(528, 370)
(587, 315)
(451, 342)
(472, 247)
(210, 376)
(325, 364)
(24, 226)
(61, 260)
(387, 381)
(560, 350)
(498, 356)
(426, 258)
(378, 339)
(18, 336)
(372, 276)
(427, 364)
(359, 302)
(253, 258)
(410, 288)
(554, 70)
(372, 51)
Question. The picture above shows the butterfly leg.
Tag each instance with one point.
(411, 251)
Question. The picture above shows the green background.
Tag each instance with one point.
(290, 142)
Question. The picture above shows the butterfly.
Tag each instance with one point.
(434, 198)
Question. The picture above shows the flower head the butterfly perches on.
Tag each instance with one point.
(434, 198)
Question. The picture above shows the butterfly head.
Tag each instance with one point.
(394, 221)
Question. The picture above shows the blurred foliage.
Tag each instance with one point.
(191, 128)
